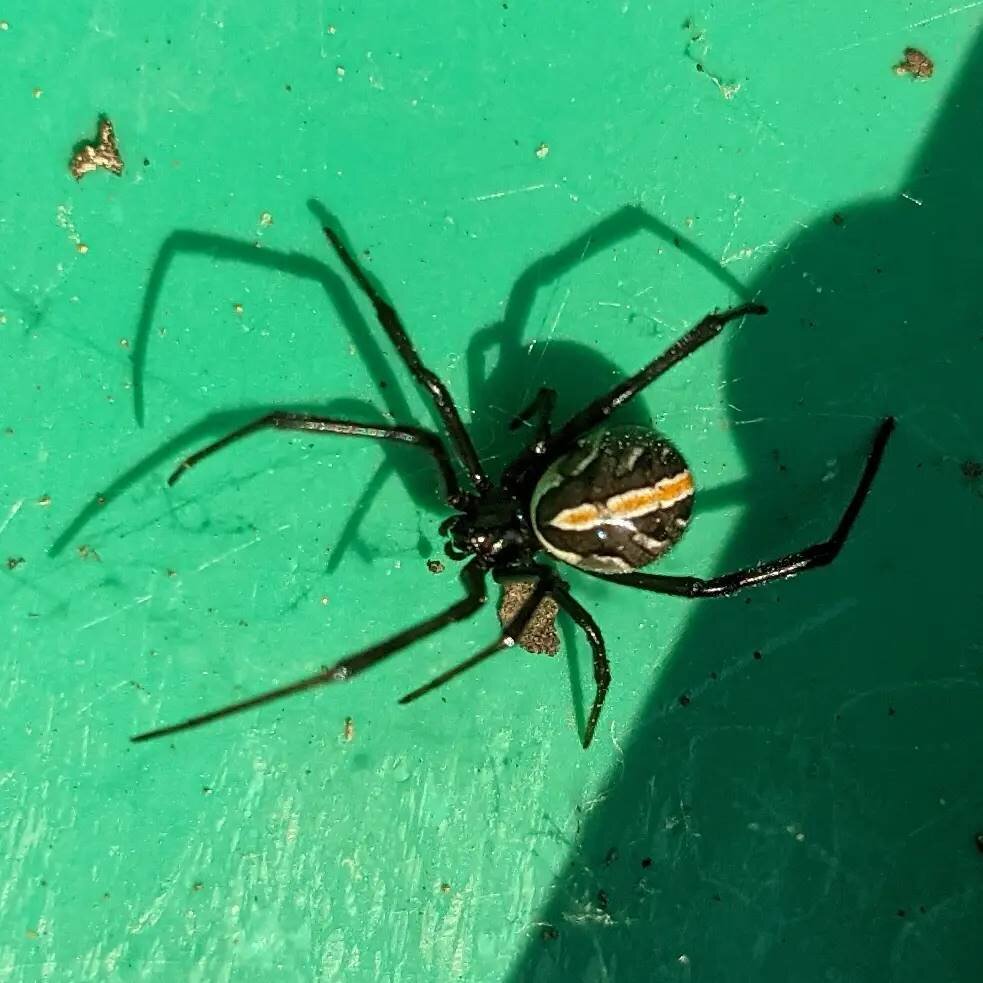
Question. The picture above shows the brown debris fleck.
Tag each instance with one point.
(349, 731)
(540, 634)
(103, 153)
(435, 566)
(916, 64)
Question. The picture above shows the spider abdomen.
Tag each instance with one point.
(618, 501)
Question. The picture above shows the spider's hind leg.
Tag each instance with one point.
(817, 555)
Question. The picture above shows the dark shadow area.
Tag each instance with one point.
(802, 796)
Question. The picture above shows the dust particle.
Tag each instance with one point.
(237, 308)
(972, 470)
(543, 150)
(82, 248)
(44, 501)
(348, 732)
(104, 152)
(916, 64)
(978, 840)
(4, 25)
(549, 933)
(646, 862)
(602, 900)
(445, 887)
(539, 635)
(684, 700)
(13, 562)
(435, 566)
(265, 219)
(838, 218)
(197, 886)
(37, 93)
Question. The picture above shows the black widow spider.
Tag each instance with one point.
(606, 500)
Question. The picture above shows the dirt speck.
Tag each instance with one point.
(543, 151)
(445, 887)
(348, 732)
(916, 64)
(971, 470)
(978, 840)
(838, 218)
(540, 634)
(435, 566)
(684, 700)
(104, 152)
(549, 933)
(13, 562)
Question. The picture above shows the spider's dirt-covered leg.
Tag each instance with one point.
(559, 590)
(506, 639)
(809, 558)
(394, 328)
(473, 578)
(278, 420)
(597, 412)
(542, 406)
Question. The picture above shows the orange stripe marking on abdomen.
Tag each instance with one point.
(640, 501)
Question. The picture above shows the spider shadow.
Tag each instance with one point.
(521, 366)
(782, 786)
(418, 482)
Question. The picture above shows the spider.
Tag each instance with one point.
(604, 499)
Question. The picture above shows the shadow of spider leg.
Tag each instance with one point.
(294, 264)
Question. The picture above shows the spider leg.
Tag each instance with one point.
(559, 590)
(393, 326)
(809, 558)
(278, 420)
(506, 639)
(542, 405)
(602, 668)
(473, 578)
(376, 359)
(599, 410)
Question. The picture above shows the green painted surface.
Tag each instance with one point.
(809, 815)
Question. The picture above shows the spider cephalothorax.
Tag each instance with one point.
(602, 499)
